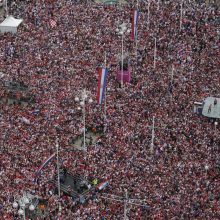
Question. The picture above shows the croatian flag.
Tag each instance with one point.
(103, 74)
(53, 23)
(103, 185)
(44, 164)
(134, 24)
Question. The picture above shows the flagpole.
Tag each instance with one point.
(172, 74)
(105, 106)
(125, 204)
(148, 15)
(155, 51)
(136, 37)
(122, 56)
(181, 15)
(171, 81)
(58, 172)
(136, 44)
(105, 60)
(6, 7)
(152, 137)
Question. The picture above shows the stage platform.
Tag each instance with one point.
(210, 109)
(75, 186)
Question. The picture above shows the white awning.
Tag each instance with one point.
(10, 24)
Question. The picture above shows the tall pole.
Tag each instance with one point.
(84, 120)
(58, 174)
(136, 36)
(105, 107)
(83, 95)
(153, 135)
(171, 81)
(105, 60)
(148, 15)
(58, 168)
(181, 15)
(6, 7)
(125, 204)
(155, 51)
(122, 57)
(172, 74)
(24, 214)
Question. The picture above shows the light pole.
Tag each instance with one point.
(81, 98)
(58, 174)
(105, 109)
(148, 15)
(121, 30)
(215, 123)
(181, 14)
(22, 203)
(155, 51)
(153, 135)
(6, 7)
(125, 204)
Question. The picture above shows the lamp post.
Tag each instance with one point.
(58, 174)
(6, 8)
(24, 201)
(82, 97)
(105, 109)
(148, 15)
(125, 204)
(181, 15)
(121, 30)
(155, 51)
(153, 135)
(215, 123)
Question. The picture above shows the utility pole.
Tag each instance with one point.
(148, 15)
(125, 204)
(153, 135)
(181, 15)
(58, 173)
(105, 106)
(155, 51)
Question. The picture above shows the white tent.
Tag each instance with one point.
(10, 24)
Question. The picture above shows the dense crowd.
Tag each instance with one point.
(179, 176)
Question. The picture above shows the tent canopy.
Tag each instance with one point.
(10, 24)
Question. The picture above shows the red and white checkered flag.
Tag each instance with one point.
(53, 23)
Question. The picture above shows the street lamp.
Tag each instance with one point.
(6, 7)
(22, 203)
(215, 123)
(121, 30)
(82, 97)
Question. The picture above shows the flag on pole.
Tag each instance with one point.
(103, 74)
(44, 164)
(135, 16)
(103, 185)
